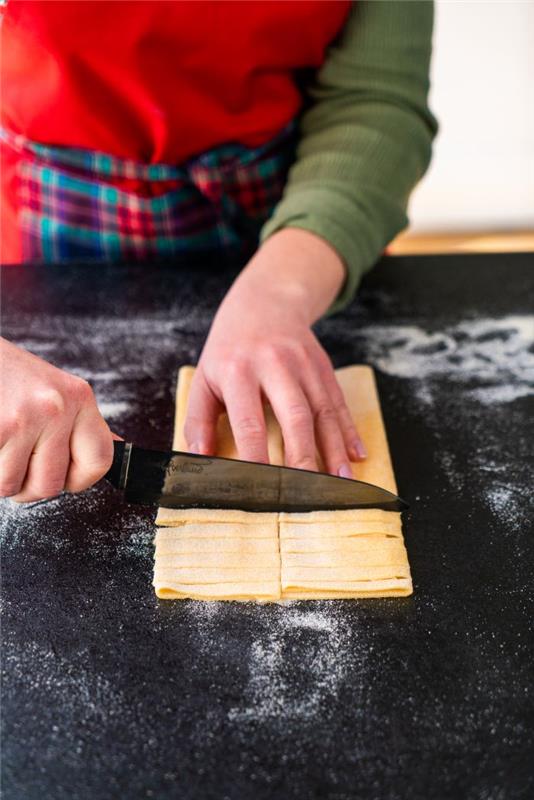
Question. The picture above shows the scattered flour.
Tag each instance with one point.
(505, 502)
(40, 347)
(497, 352)
(19, 521)
(469, 371)
(43, 525)
(138, 541)
(73, 686)
(329, 643)
(98, 375)
(492, 395)
(499, 498)
(112, 408)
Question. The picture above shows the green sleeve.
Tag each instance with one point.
(366, 139)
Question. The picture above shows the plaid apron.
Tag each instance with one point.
(75, 204)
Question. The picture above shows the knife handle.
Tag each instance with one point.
(118, 472)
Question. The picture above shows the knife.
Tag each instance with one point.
(187, 480)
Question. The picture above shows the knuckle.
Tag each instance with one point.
(100, 465)
(344, 415)
(300, 461)
(235, 368)
(300, 350)
(50, 489)
(251, 427)
(11, 426)
(80, 391)
(24, 498)
(9, 487)
(49, 402)
(96, 464)
(325, 414)
(325, 364)
(337, 398)
(86, 478)
(272, 353)
(46, 486)
(299, 415)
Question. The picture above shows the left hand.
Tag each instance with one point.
(261, 346)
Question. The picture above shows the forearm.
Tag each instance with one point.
(366, 140)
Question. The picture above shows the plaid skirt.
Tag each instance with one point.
(73, 204)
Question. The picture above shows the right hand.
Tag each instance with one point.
(52, 435)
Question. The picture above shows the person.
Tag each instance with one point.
(290, 132)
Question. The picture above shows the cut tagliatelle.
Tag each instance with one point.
(237, 555)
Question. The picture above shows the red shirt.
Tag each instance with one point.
(158, 81)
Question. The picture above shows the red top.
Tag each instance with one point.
(158, 81)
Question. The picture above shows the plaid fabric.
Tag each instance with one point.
(79, 204)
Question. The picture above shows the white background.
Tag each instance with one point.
(482, 174)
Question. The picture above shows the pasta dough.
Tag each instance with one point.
(237, 555)
(225, 555)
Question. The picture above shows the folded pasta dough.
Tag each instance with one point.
(217, 555)
(238, 555)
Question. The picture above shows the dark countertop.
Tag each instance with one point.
(110, 693)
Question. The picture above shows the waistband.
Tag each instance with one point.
(109, 166)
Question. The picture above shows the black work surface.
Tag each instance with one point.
(110, 693)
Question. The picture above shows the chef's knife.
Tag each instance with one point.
(186, 480)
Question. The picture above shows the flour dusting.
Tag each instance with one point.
(497, 352)
(112, 408)
(138, 539)
(299, 658)
(505, 501)
(273, 692)
(46, 524)
(20, 522)
(468, 372)
(493, 395)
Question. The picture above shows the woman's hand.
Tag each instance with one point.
(261, 346)
(52, 436)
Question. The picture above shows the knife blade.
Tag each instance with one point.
(185, 480)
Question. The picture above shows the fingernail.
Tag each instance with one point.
(345, 471)
(359, 448)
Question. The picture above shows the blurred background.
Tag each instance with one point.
(482, 176)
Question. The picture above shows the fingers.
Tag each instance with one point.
(297, 378)
(91, 449)
(327, 427)
(35, 450)
(47, 468)
(242, 399)
(14, 458)
(295, 417)
(44, 470)
(353, 442)
(203, 411)
(47, 418)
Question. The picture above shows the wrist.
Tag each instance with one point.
(300, 269)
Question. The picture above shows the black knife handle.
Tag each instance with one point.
(118, 471)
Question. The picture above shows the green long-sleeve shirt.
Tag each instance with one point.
(366, 139)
